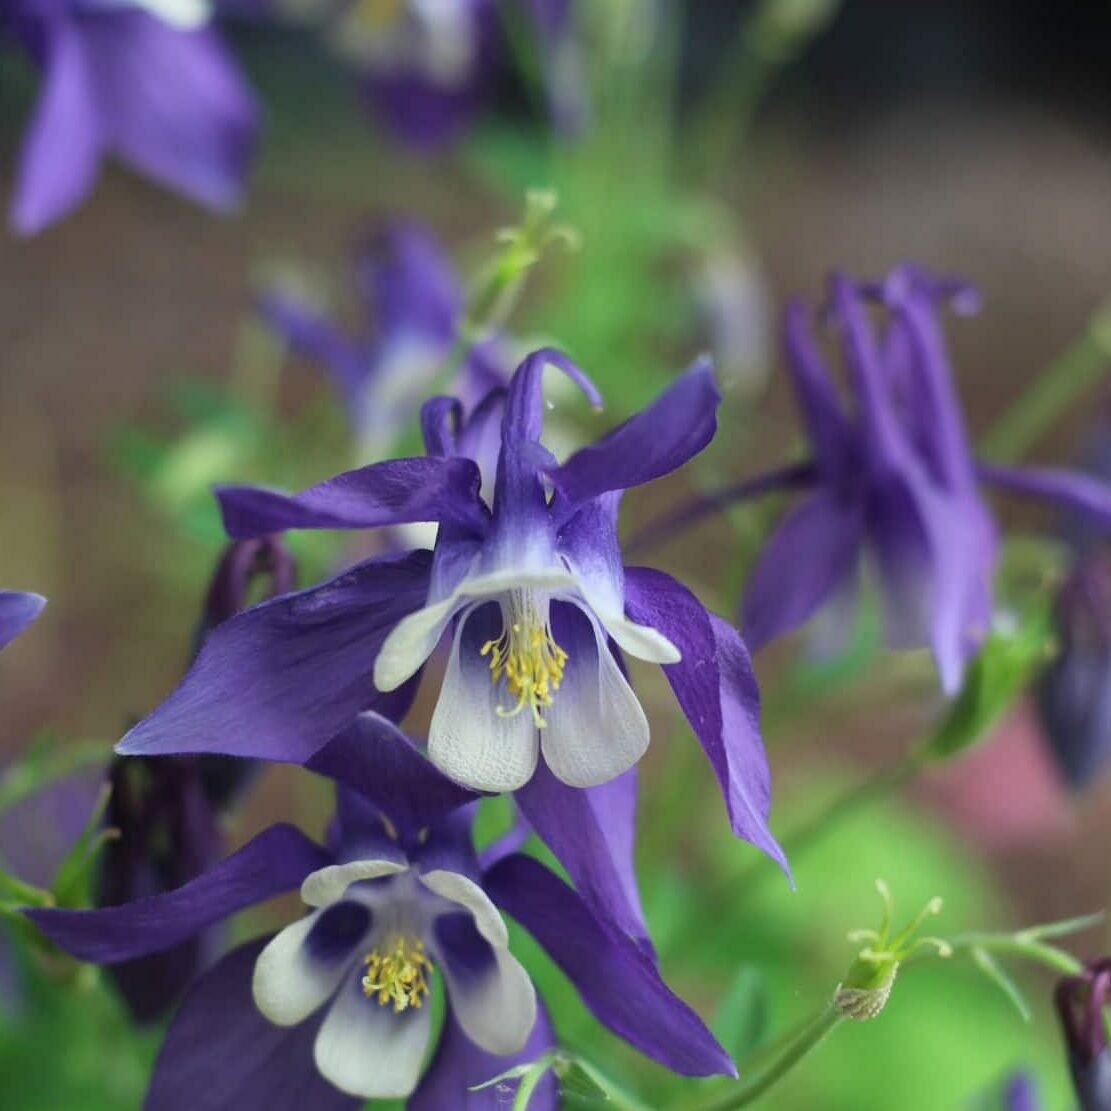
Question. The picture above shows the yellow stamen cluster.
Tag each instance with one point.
(398, 974)
(528, 658)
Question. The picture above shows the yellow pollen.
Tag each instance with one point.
(527, 657)
(398, 974)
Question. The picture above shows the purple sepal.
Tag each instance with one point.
(618, 981)
(276, 861)
(377, 760)
(652, 443)
(460, 1065)
(220, 1052)
(17, 610)
(715, 686)
(592, 834)
(1021, 1094)
(398, 492)
(1083, 495)
(280, 680)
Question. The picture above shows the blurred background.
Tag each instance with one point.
(972, 137)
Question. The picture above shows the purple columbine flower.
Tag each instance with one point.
(1081, 1004)
(397, 899)
(413, 304)
(425, 65)
(890, 478)
(167, 811)
(531, 595)
(17, 610)
(144, 81)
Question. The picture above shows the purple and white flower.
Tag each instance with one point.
(145, 81)
(530, 592)
(397, 899)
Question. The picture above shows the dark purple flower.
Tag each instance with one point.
(532, 596)
(413, 304)
(1074, 691)
(145, 82)
(17, 610)
(1081, 1004)
(425, 65)
(167, 811)
(891, 478)
(397, 898)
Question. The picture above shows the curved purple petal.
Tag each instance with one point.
(617, 980)
(17, 610)
(375, 758)
(1021, 1094)
(280, 680)
(717, 691)
(60, 158)
(397, 492)
(276, 861)
(808, 558)
(460, 1065)
(653, 443)
(172, 104)
(1083, 494)
(592, 834)
(220, 1052)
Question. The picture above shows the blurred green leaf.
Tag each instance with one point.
(995, 679)
(741, 1019)
(995, 972)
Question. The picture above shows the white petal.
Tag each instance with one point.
(288, 984)
(468, 739)
(497, 1008)
(368, 1051)
(459, 889)
(410, 643)
(641, 641)
(327, 885)
(596, 727)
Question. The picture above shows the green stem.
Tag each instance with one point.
(1067, 380)
(1015, 945)
(766, 1078)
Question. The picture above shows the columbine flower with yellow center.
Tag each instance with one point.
(335, 1008)
(527, 589)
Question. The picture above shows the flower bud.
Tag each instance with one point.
(1081, 1001)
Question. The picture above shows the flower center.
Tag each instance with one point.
(526, 656)
(397, 973)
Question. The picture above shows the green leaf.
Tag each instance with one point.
(741, 1020)
(581, 1082)
(998, 675)
(991, 968)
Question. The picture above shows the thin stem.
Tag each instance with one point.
(1068, 379)
(793, 477)
(748, 1091)
(1015, 945)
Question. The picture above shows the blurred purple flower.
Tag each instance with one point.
(1074, 691)
(145, 82)
(533, 596)
(1021, 1094)
(891, 477)
(1081, 1004)
(556, 36)
(17, 610)
(425, 65)
(413, 306)
(396, 896)
(167, 811)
